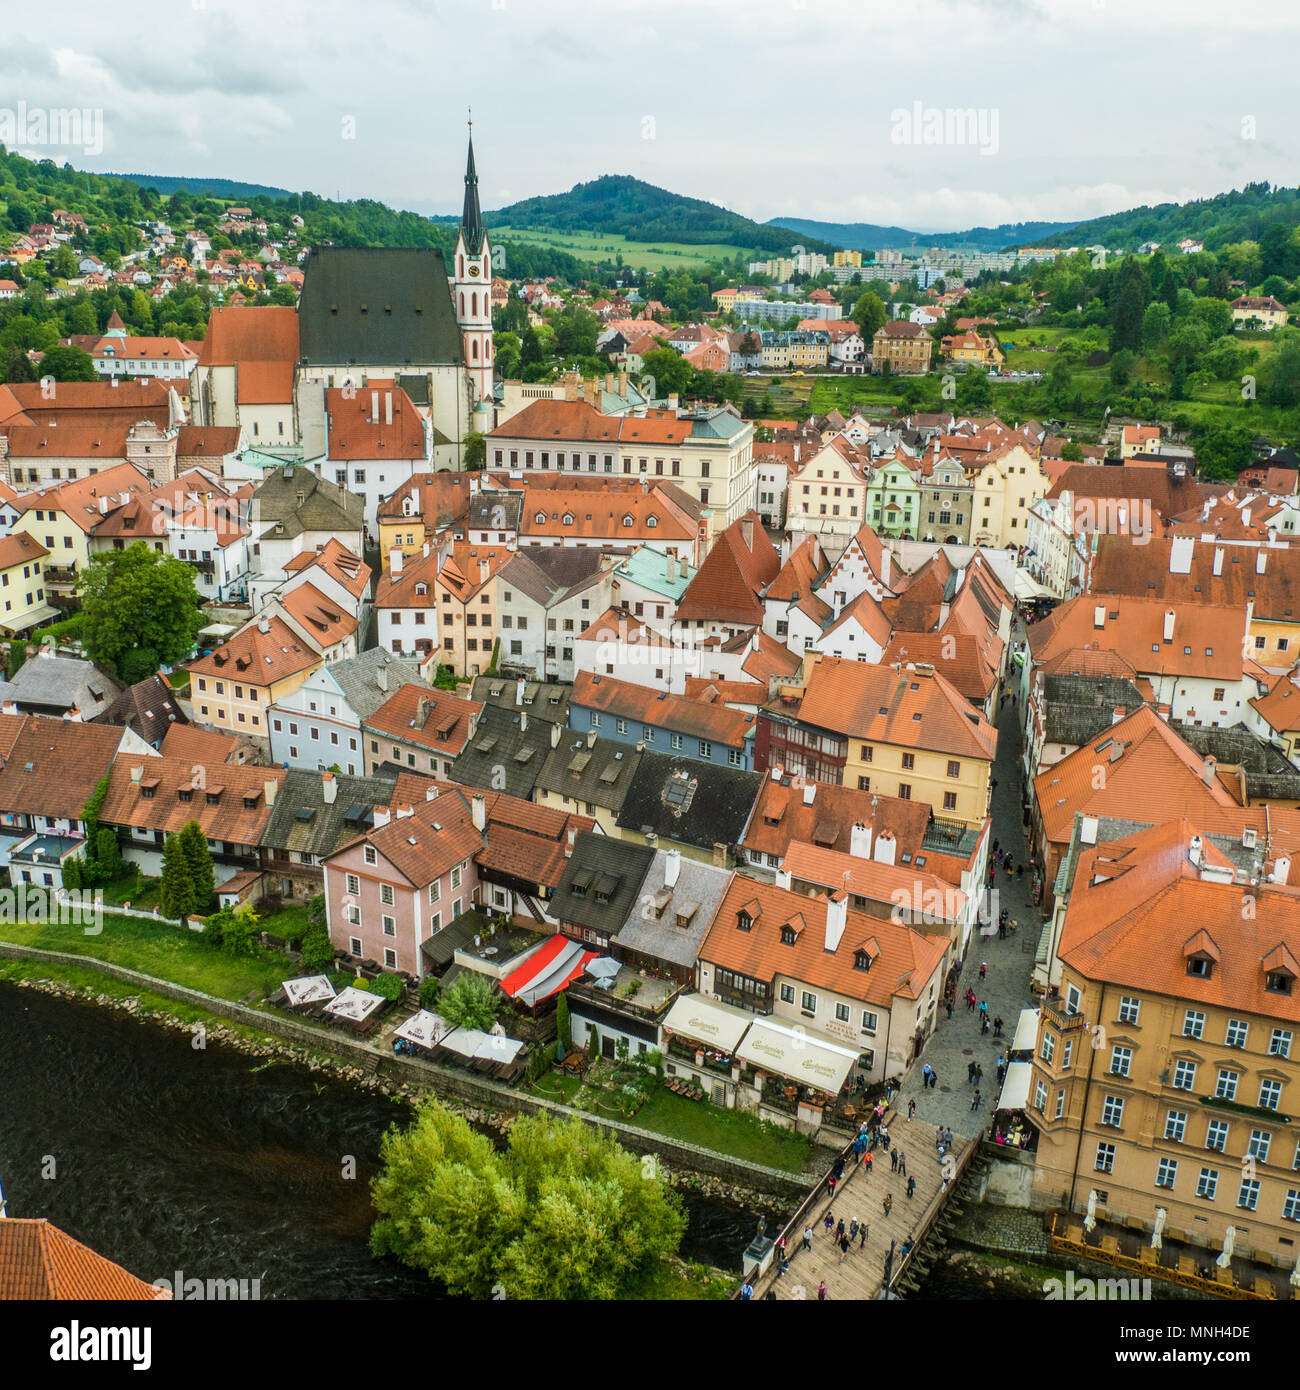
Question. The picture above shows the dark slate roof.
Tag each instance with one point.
(324, 506)
(601, 864)
(502, 756)
(499, 511)
(549, 573)
(597, 771)
(289, 828)
(59, 682)
(693, 802)
(358, 679)
(443, 945)
(1269, 773)
(148, 707)
(377, 306)
(471, 218)
(1077, 708)
(676, 919)
(546, 701)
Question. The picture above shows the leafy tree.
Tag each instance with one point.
(1187, 341)
(474, 452)
(1223, 449)
(974, 394)
(1072, 452)
(562, 1028)
(18, 215)
(1122, 365)
(317, 949)
(68, 364)
(564, 1213)
(198, 860)
(1282, 375)
(72, 873)
(430, 987)
(1155, 325)
(138, 598)
(108, 855)
(470, 1002)
(869, 314)
(1060, 383)
(176, 891)
(1129, 305)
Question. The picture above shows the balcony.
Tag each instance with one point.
(60, 574)
(1055, 1013)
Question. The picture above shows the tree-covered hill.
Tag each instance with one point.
(869, 236)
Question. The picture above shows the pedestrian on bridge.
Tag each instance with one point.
(975, 1101)
(911, 1188)
(807, 1237)
(902, 1163)
(911, 1109)
(888, 1203)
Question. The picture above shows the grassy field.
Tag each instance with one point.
(169, 953)
(604, 247)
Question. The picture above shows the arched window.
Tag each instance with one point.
(473, 299)
(421, 588)
(568, 518)
(460, 267)
(628, 521)
(474, 349)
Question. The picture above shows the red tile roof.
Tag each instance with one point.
(638, 703)
(726, 586)
(39, 1261)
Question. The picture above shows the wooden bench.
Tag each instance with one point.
(1109, 1245)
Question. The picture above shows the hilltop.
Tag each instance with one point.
(869, 236)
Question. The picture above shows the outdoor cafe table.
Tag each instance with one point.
(354, 1005)
(310, 989)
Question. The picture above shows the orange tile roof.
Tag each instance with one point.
(622, 699)
(1139, 769)
(726, 586)
(576, 420)
(53, 766)
(437, 498)
(327, 622)
(357, 431)
(909, 709)
(904, 886)
(782, 815)
(958, 656)
(195, 745)
(129, 803)
(432, 718)
(710, 692)
(336, 560)
(19, 549)
(1140, 906)
(254, 657)
(40, 1262)
(800, 572)
(1208, 640)
(868, 614)
(903, 961)
(82, 500)
(1275, 707)
(654, 513)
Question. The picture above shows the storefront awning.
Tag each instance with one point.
(1015, 1089)
(547, 971)
(43, 613)
(708, 1021)
(797, 1054)
(1028, 588)
(1026, 1031)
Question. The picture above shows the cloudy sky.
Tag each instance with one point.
(770, 107)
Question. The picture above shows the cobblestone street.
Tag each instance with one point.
(957, 1042)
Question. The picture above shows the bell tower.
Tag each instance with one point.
(471, 285)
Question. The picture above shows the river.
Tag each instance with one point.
(164, 1157)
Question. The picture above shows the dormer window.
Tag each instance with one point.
(1279, 981)
(421, 589)
(540, 518)
(789, 937)
(629, 521)
(1200, 966)
(567, 519)
(861, 960)
(744, 921)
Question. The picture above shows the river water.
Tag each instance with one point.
(166, 1158)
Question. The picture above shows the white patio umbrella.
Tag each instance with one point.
(1295, 1274)
(1229, 1240)
(1090, 1216)
(1158, 1229)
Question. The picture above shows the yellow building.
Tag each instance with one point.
(1164, 1077)
(904, 732)
(1005, 485)
(847, 258)
(828, 491)
(902, 346)
(233, 686)
(1258, 311)
(22, 585)
(973, 350)
(726, 299)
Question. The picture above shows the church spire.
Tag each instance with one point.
(471, 219)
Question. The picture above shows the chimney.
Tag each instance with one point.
(809, 792)
(670, 568)
(103, 501)
(404, 812)
(519, 690)
(1180, 554)
(523, 721)
(431, 792)
(478, 809)
(264, 625)
(388, 407)
(1208, 768)
(1261, 559)
(395, 562)
(673, 400)
(1117, 714)
(1281, 869)
(1245, 516)
(382, 816)
(1088, 826)
(837, 913)
(570, 840)
(591, 738)
(747, 532)
(1099, 616)
(381, 679)
(1169, 625)
(555, 735)
(609, 382)
(1194, 850)
(860, 841)
(672, 867)
(886, 846)
(270, 788)
(622, 383)
(651, 840)
(374, 406)
(137, 773)
(330, 788)
(719, 855)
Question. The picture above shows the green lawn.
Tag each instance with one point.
(289, 924)
(169, 953)
(140, 892)
(606, 246)
(731, 1132)
(675, 1282)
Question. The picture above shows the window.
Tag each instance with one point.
(390, 925)
(954, 769)
(1121, 1058)
(1279, 1044)
(787, 994)
(905, 791)
(354, 945)
(808, 1002)
(1248, 1193)
(1226, 1086)
(1236, 1033)
(706, 749)
(1270, 1094)
(1129, 1009)
(842, 1013)
(1040, 1096)
(1184, 1075)
(435, 890)
(950, 801)
(1291, 1205)
(455, 878)
(869, 1021)
(676, 742)
(1072, 999)
(1060, 1104)
(1166, 1172)
(371, 856)
(1193, 1024)
(1207, 1184)
(1175, 1125)
(390, 958)
(354, 884)
(1112, 1111)
(386, 894)
(1067, 1053)
(1216, 1135)
(1048, 1050)
(1105, 1160)
(1258, 1144)
(909, 761)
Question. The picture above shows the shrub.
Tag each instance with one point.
(387, 986)
(470, 1002)
(317, 949)
(430, 987)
